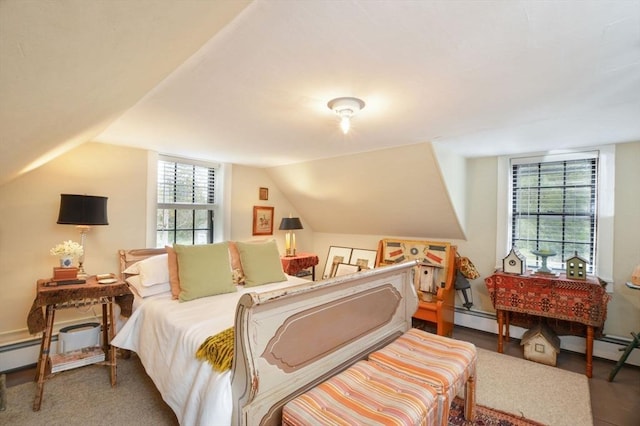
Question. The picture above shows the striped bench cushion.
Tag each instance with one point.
(442, 362)
(364, 394)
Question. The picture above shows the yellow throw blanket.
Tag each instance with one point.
(218, 350)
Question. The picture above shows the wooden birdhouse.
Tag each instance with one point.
(426, 279)
(576, 267)
(541, 345)
(514, 262)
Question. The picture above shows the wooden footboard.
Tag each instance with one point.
(290, 340)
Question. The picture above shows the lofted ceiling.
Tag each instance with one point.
(248, 82)
(219, 81)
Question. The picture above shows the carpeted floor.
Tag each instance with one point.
(83, 396)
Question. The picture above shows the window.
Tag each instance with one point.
(554, 207)
(186, 205)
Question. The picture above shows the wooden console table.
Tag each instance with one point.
(577, 307)
(52, 298)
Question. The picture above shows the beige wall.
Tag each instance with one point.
(481, 230)
(245, 183)
(29, 207)
(29, 210)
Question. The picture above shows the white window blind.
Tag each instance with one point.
(185, 202)
(554, 207)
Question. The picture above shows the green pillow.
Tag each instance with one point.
(261, 263)
(205, 270)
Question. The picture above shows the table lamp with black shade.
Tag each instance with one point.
(84, 211)
(290, 224)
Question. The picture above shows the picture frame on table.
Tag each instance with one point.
(336, 256)
(365, 259)
(346, 268)
(262, 220)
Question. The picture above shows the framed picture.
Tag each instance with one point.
(345, 268)
(263, 194)
(336, 256)
(365, 259)
(262, 220)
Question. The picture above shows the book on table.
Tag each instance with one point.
(77, 358)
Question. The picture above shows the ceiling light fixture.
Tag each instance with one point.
(345, 108)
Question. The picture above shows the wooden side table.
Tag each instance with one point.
(568, 306)
(52, 298)
(292, 265)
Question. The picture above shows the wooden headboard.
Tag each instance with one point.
(129, 257)
(288, 341)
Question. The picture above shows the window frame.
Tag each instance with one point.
(221, 202)
(603, 266)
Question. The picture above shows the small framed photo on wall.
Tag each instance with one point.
(263, 194)
(262, 220)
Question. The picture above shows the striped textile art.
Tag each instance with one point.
(444, 363)
(365, 393)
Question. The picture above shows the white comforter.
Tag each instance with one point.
(166, 335)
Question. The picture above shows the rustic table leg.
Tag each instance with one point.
(589, 351)
(112, 349)
(105, 328)
(500, 313)
(507, 325)
(44, 355)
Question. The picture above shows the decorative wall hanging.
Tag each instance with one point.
(262, 220)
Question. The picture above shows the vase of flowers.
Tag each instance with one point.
(67, 251)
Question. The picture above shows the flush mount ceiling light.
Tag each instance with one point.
(346, 108)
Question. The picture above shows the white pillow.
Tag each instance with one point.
(135, 282)
(152, 271)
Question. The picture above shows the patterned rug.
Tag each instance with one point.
(486, 417)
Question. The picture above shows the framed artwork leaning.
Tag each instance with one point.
(365, 259)
(336, 256)
(262, 220)
(345, 268)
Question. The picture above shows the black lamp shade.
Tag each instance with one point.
(289, 223)
(82, 210)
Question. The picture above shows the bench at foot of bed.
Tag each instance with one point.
(411, 381)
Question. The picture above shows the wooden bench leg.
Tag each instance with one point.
(470, 399)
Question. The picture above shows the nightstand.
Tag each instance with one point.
(52, 298)
(296, 265)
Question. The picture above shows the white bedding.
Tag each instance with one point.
(166, 335)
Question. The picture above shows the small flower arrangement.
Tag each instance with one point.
(67, 248)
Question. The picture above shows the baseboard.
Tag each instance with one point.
(607, 347)
(14, 356)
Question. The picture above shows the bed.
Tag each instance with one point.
(289, 336)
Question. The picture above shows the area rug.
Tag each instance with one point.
(485, 416)
(531, 392)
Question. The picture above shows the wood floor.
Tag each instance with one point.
(612, 403)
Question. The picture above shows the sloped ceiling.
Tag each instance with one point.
(249, 84)
(70, 68)
(395, 191)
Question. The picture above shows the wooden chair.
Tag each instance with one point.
(438, 305)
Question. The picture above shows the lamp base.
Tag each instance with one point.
(290, 252)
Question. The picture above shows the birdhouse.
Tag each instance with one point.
(576, 267)
(514, 262)
(541, 345)
(426, 279)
